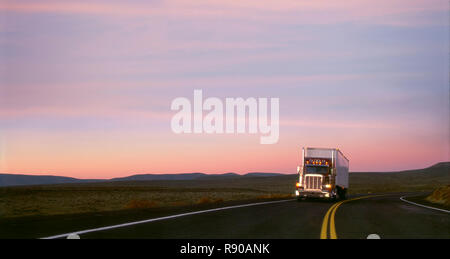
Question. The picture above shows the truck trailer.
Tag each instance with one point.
(323, 173)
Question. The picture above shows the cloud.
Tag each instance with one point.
(94, 80)
(309, 12)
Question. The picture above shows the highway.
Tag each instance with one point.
(357, 217)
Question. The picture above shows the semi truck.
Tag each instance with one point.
(323, 173)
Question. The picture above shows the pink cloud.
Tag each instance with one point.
(314, 12)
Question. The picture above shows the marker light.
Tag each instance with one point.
(297, 185)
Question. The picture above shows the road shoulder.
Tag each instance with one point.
(422, 202)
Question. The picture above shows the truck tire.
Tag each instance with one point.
(342, 193)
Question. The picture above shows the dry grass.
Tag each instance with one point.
(207, 200)
(440, 196)
(141, 204)
(98, 197)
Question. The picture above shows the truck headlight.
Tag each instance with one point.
(327, 186)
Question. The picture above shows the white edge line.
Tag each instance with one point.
(161, 218)
(428, 207)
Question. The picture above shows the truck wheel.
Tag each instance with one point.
(341, 193)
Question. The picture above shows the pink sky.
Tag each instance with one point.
(86, 88)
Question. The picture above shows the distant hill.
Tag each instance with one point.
(436, 174)
(22, 179)
(408, 180)
(436, 168)
(153, 177)
(190, 176)
(255, 174)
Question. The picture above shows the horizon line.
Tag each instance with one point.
(212, 174)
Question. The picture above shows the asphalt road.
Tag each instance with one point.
(387, 216)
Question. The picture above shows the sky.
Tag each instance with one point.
(86, 87)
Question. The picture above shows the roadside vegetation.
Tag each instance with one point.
(426, 179)
(111, 196)
(440, 196)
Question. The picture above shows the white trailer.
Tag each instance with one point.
(323, 174)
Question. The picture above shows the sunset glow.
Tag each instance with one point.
(86, 87)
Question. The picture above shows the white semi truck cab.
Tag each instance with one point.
(323, 173)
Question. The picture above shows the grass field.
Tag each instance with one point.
(62, 199)
(111, 196)
(440, 196)
(426, 179)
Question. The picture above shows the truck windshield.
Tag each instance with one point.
(316, 170)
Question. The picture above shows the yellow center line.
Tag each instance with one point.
(333, 234)
(329, 216)
(323, 232)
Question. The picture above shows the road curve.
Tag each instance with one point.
(390, 217)
(386, 216)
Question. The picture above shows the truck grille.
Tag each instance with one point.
(313, 182)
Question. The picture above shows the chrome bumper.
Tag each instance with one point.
(312, 194)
